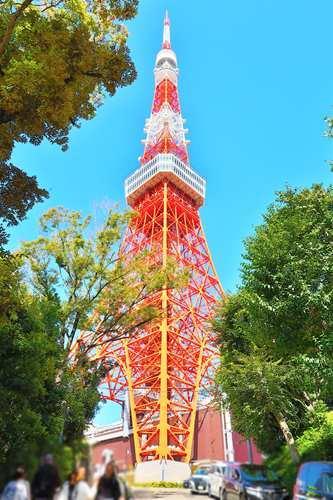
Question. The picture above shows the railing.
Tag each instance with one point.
(165, 163)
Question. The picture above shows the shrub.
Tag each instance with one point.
(160, 484)
(316, 443)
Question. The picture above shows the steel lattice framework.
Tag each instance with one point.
(164, 369)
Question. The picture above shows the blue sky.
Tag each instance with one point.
(256, 81)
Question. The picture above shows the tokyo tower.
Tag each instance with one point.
(164, 370)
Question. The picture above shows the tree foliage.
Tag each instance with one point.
(97, 289)
(57, 59)
(277, 331)
(18, 194)
(316, 443)
(29, 359)
(45, 404)
(288, 266)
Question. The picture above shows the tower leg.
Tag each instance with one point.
(162, 470)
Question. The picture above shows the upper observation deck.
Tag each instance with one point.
(165, 166)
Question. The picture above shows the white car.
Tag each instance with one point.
(216, 479)
(198, 482)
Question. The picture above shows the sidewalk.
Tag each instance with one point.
(151, 493)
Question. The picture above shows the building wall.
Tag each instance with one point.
(122, 449)
(209, 443)
(208, 440)
(242, 452)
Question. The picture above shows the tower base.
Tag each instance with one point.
(166, 470)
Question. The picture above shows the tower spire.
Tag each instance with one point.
(165, 127)
(166, 32)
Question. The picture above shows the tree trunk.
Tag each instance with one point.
(289, 438)
(11, 25)
(309, 403)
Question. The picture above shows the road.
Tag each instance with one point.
(172, 493)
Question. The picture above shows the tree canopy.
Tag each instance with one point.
(45, 403)
(57, 59)
(80, 267)
(276, 332)
(18, 194)
(29, 360)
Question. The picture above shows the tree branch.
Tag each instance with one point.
(73, 330)
(93, 74)
(52, 5)
(4, 116)
(11, 25)
(119, 336)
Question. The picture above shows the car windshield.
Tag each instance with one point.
(258, 473)
(201, 472)
(327, 479)
(318, 478)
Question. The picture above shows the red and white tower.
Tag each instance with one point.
(165, 370)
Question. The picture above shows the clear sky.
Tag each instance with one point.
(256, 81)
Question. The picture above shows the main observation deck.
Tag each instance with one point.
(165, 166)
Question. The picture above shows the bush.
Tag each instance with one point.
(316, 443)
(281, 463)
(160, 484)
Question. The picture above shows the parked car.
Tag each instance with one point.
(186, 483)
(216, 479)
(198, 482)
(314, 480)
(249, 481)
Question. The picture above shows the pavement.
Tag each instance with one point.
(172, 493)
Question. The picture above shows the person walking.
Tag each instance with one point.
(46, 481)
(67, 490)
(18, 488)
(109, 486)
(82, 490)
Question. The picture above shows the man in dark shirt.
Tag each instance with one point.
(46, 480)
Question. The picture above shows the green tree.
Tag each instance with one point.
(100, 297)
(29, 357)
(316, 443)
(57, 59)
(18, 194)
(98, 291)
(276, 332)
(40, 410)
